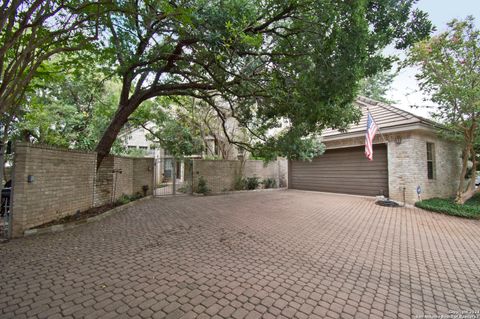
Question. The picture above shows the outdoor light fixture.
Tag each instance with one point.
(398, 139)
(30, 178)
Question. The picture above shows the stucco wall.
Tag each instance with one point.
(66, 181)
(407, 164)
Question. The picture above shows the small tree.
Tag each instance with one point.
(450, 71)
(166, 130)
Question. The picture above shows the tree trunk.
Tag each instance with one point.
(470, 191)
(469, 151)
(113, 129)
(2, 166)
(461, 182)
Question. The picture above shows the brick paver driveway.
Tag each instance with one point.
(266, 254)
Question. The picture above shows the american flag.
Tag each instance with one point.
(372, 129)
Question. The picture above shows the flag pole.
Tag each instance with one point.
(378, 127)
(383, 137)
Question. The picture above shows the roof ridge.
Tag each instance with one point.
(395, 109)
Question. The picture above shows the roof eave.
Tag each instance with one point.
(426, 127)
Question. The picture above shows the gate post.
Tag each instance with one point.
(174, 176)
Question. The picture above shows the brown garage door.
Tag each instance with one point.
(343, 171)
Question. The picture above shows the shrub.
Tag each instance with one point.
(252, 183)
(124, 199)
(240, 183)
(185, 188)
(471, 209)
(269, 183)
(202, 186)
(145, 190)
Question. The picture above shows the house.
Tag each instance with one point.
(215, 144)
(410, 160)
(135, 138)
(165, 164)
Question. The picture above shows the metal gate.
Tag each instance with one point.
(6, 213)
(6, 200)
(172, 176)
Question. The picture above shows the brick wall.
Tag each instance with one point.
(66, 181)
(62, 184)
(407, 164)
(142, 175)
(102, 190)
(221, 175)
(123, 176)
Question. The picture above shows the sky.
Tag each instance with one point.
(405, 90)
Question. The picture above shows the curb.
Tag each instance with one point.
(62, 227)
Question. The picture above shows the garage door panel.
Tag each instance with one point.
(343, 171)
(330, 168)
(343, 190)
(335, 171)
(336, 181)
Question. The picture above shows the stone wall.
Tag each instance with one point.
(407, 164)
(221, 175)
(63, 182)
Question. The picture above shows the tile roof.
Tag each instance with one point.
(386, 116)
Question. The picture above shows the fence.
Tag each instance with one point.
(223, 175)
(51, 183)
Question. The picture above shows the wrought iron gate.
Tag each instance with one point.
(6, 213)
(172, 176)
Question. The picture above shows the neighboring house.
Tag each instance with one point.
(136, 139)
(408, 155)
(216, 146)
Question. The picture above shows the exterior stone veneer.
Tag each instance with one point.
(407, 164)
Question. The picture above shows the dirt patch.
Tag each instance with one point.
(79, 216)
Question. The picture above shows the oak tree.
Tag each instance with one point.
(290, 65)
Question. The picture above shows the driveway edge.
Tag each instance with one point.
(62, 227)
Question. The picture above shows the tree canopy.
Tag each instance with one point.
(33, 32)
(167, 129)
(270, 62)
(289, 66)
(377, 86)
(450, 71)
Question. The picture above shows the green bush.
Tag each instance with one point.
(185, 188)
(471, 209)
(252, 183)
(240, 183)
(125, 199)
(202, 186)
(269, 183)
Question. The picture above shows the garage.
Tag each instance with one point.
(344, 170)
